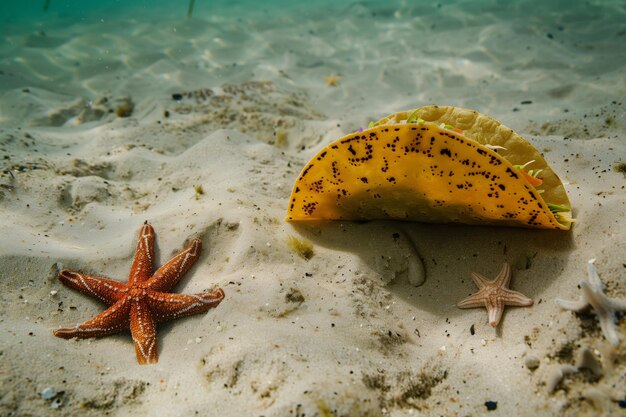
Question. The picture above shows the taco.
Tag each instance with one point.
(433, 164)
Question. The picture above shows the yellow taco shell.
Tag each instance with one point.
(432, 164)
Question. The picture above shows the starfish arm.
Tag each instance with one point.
(474, 300)
(618, 304)
(143, 330)
(167, 306)
(105, 290)
(607, 325)
(143, 262)
(577, 306)
(594, 278)
(515, 298)
(169, 274)
(480, 281)
(112, 320)
(504, 277)
(495, 309)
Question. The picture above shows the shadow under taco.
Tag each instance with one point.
(433, 164)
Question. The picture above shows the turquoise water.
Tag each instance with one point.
(491, 55)
(36, 10)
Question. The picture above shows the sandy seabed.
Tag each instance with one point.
(201, 127)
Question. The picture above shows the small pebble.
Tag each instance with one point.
(47, 393)
(125, 107)
(57, 403)
(532, 362)
(491, 405)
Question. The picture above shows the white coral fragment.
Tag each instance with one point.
(604, 307)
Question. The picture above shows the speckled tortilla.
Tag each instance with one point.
(424, 172)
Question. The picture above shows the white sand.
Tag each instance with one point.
(78, 182)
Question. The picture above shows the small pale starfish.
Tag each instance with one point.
(593, 295)
(494, 295)
(144, 301)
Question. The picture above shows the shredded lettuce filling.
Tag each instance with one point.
(557, 208)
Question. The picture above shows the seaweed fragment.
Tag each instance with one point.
(621, 167)
(303, 248)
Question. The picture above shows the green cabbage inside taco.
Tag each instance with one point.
(432, 164)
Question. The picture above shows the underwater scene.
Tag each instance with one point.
(313, 208)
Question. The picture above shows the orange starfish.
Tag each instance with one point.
(494, 295)
(144, 301)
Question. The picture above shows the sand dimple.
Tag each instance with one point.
(405, 390)
(270, 113)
